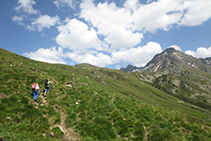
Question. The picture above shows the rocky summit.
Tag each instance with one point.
(173, 61)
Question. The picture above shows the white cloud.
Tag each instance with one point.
(122, 38)
(156, 15)
(26, 6)
(105, 34)
(44, 21)
(138, 56)
(77, 35)
(51, 55)
(62, 3)
(112, 22)
(150, 17)
(132, 4)
(198, 11)
(18, 20)
(175, 47)
(201, 52)
(98, 59)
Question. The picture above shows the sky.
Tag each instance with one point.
(104, 33)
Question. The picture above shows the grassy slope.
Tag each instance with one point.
(113, 105)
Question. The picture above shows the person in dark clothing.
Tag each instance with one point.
(47, 86)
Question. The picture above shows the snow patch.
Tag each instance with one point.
(177, 55)
(148, 66)
(208, 62)
(156, 68)
(193, 65)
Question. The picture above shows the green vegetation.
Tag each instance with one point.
(102, 104)
(186, 88)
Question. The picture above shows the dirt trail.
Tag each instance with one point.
(69, 133)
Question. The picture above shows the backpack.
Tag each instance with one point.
(34, 86)
(46, 82)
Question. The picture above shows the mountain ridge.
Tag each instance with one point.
(172, 58)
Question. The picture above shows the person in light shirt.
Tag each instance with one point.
(35, 88)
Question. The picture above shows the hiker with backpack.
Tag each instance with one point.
(35, 88)
(47, 86)
(72, 77)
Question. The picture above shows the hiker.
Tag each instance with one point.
(47, 86)
(35, 88)
(72, 77)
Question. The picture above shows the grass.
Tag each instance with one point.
(102, 104)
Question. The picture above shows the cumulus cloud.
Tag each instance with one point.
(26, 6)
(76, 35)
(138, 56)
(38, 24)
(201, 52)
(112, 22)
(133, 16)
(97, 59)
(104, 34)
(44, 21)
(197, 12)
(175, 47)
(131, 5)
(156, 15)
(62, 3)
(18, 20)
(51, 55)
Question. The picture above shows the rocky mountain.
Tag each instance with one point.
(173, 61)
(207, 61)
(131, 68)
(180, 75)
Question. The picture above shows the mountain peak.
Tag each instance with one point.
(174, 61)
(169, 50)
(131, 68)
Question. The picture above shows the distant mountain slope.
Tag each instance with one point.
(131, 68)
(174, 61)
(181, 75)
(101, 104)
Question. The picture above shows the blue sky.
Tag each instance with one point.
(104, 33)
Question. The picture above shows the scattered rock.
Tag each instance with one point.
(8, 118)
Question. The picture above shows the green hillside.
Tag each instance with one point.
(101, 104)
